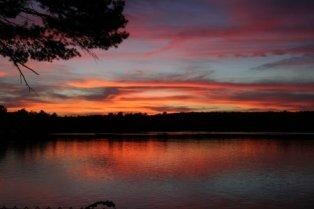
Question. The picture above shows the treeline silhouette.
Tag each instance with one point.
(24, 123)
(99, 204)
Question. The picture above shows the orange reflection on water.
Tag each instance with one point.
(104, 159)
(159, 174)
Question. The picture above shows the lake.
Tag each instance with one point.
(155, 174)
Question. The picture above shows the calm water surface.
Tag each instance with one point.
(197, 174)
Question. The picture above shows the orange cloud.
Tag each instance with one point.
(94, 83)
(176, 96)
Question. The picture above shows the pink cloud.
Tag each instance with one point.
(254, 28)
(2, 74)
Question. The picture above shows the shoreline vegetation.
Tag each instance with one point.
(22, 123)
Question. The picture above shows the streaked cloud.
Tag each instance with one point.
(296, 63)
(101, 96)
(188, 55)
(205, 28)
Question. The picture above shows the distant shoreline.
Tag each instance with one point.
(25, 125)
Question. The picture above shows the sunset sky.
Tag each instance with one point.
(184, 55)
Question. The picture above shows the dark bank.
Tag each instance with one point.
(23, 123)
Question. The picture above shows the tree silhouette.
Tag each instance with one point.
(47, 30)
(3, 110)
